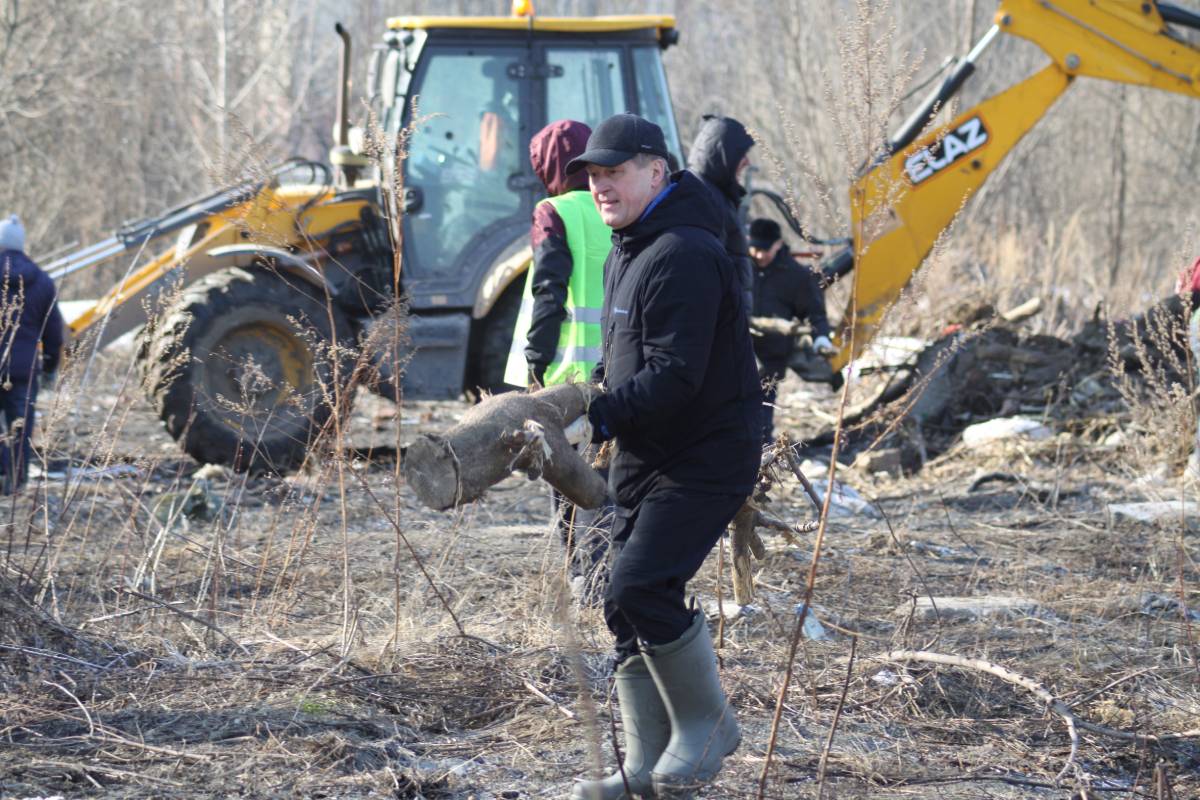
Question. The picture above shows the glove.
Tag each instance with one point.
(823, 346)
(537, 376)
(600, 432)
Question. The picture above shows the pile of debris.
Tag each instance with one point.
(987, 370)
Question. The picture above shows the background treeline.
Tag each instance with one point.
(113, 109)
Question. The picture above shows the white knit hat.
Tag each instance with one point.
(12, 234)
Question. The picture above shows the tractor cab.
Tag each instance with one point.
(466, 94)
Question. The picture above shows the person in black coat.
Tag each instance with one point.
(680, 403)
(787, 290)
(29, 316)
(719, 155)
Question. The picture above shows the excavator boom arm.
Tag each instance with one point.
(905, 203)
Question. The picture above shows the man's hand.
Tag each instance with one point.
(823, 346)
(49, 378)
(537, 376)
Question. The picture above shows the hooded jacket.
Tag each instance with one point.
(682, 388)
(787, 290)
(29, 315)
(549, 151)
(719, 147)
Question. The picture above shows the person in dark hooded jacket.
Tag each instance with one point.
(719, 155)
(29, 316)
(680, 403)
(557, 335)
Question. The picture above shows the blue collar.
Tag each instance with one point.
(654, 203)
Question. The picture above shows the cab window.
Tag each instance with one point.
(590, 88)
(654, 100)
(465, 148)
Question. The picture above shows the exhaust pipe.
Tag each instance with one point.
(342, 124)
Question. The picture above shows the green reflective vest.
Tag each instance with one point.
(580, 339)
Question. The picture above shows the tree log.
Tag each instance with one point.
(504, 433)
(742, 541)
(745, 542)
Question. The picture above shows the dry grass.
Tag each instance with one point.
(254, 680)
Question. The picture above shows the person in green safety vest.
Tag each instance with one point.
(557, 337)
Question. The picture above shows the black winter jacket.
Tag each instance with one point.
(37, 319)
(786, 290)
(683, 391)
(716, 152)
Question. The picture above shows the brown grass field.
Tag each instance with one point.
(169, 635)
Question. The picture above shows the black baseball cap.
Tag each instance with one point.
(764, 233)
(618, 139)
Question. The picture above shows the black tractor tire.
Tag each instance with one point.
(491, 340)
(240, 370)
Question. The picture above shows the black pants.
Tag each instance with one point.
(663, 542)
(769, 375)
(17, 404)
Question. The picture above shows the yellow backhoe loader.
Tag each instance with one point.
(238, 381)
(247, 288)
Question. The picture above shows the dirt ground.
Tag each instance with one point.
(173, 633)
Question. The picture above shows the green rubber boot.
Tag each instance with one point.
(703, 727)
(647, 729)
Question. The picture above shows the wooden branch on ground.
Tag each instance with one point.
(1022, 312)
(505, 433)
(1072, 722)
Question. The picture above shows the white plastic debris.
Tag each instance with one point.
(813, 630)
(886, 677)
(580, 431)
(845, 502)
(1005, 428)
(730, 609)
(890, 677)
(1169, 511)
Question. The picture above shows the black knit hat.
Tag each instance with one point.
(618, 139)
(764, 233)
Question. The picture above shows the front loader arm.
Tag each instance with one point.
(902, 205)
(285, 220)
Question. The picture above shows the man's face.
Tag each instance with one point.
(621, 193)
(764, 256)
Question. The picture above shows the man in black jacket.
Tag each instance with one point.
(787, 290)
(719, 156)
(681, 403)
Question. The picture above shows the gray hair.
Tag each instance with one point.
(644, 160)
